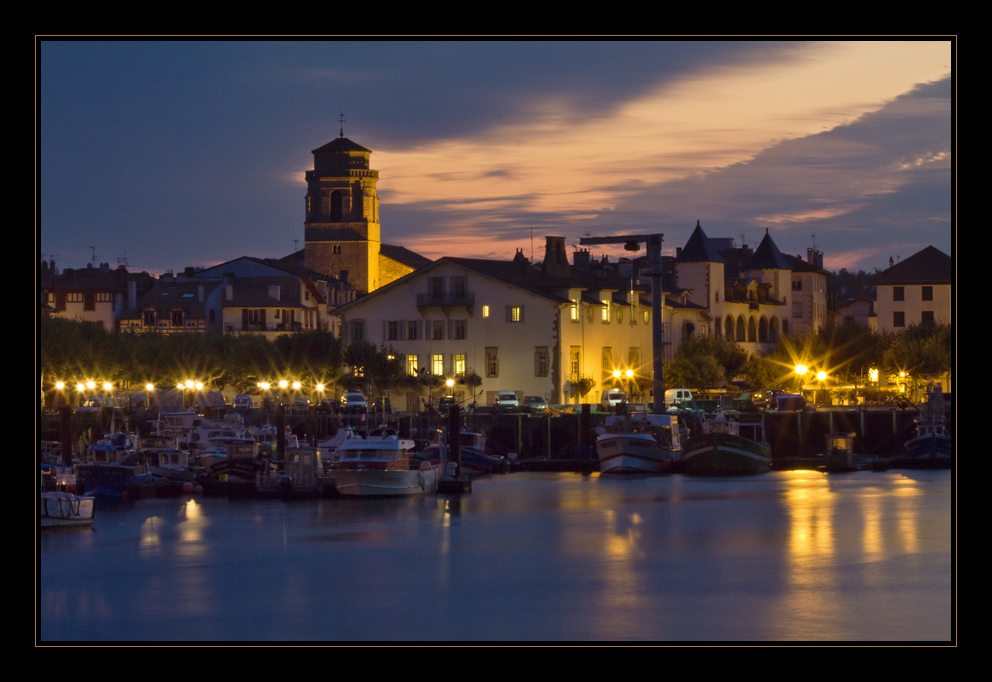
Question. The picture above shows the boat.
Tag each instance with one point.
(726, 448)
(931, 446)
(640, 443)
(382, 464)
(110, 465)
(299, 475)
(838, 453)
(60, 507)
(471, 452)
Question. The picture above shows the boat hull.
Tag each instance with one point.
(105, 480)
(623, 453)
(723, 454)
(935, 451)
(59, 509)
(385, 482)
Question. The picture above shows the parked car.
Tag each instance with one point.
(535, 403)
(507, 400)
(354, 402)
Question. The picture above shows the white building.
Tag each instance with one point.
(914, 291)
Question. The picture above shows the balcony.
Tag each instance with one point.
(446, 301)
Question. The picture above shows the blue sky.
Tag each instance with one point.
(177, 153)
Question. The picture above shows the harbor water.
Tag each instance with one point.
(536, 557)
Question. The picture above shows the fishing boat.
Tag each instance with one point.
(299, 475)
(931, 446)
(110, 465)
(640, 443)
(726, 448)
(382, 464)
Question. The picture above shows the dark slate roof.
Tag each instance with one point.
(797, 264)
(699, 249)
(341, 144)
(403, 255)
(929, 266)
(767, 256)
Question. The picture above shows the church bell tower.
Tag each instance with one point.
(341, 230)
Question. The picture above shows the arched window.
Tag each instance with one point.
(740, 329)
(763, 330)
(751, 331)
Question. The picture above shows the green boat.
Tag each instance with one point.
(727, 448)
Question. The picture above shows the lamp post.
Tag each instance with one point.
(800, 373)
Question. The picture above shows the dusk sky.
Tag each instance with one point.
(172, 154)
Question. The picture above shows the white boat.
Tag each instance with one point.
(641, 443)
(62, 508)
(382, 465)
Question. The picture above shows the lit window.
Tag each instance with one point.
(516, 313)
(606, 311)
(485, 311)
(437, 364)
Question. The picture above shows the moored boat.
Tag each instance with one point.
(727, 448)
(475, 461)
(382, 465)
(61, 507)
(641, 443)
(931, 446)
(110, 465)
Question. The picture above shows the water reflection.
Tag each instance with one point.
(787, 555)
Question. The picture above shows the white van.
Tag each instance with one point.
(611, 398)
(678, 397)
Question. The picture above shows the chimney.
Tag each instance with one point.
(581, 260)
(555, 259)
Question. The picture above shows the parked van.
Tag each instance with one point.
(507, 399)
(678, 397)
(611, 398)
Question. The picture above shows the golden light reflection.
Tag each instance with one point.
(191, 528)
(151, 540)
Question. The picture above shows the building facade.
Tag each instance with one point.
(915, 291)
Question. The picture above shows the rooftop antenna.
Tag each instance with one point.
(814, 240)
(122, 260)
(93, 255)
(342, 124)
(295, 243)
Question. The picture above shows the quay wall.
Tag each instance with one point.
(878, 431)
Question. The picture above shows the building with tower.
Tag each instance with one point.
(341, 230)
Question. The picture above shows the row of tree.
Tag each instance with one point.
(847, 353)
(70, 351)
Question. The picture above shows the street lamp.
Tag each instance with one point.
(800, 373)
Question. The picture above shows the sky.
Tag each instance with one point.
(167, 154)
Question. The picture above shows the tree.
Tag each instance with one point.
(376, 366)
